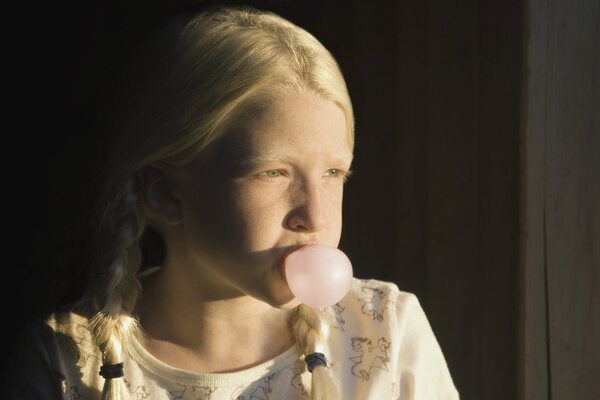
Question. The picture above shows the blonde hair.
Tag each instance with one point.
(175, 100)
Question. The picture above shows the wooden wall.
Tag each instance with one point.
(560, 326)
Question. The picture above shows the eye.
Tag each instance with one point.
(272, 173)
(338, 173)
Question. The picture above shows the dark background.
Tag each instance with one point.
(432, 204)
(460, 191)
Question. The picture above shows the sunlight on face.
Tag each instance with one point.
(272, 181)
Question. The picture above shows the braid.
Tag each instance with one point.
(121, 227)
(115, 290)
(310, 333)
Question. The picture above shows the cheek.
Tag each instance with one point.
(260, 212)
(334, 195)
(333, 204)
(211, 217)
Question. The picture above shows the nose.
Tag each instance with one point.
(307, 214)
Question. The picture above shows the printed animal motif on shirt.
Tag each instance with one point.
(259, 391)
(338, 310)
(371, 356)
(298, 369)
(202, 392)
(80, 340)
(140, 393)
(336, 317)
(374, 303)
(177, 394)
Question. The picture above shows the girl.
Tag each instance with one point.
(232, 138)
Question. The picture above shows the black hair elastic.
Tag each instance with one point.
(315, 360)
(112, 371)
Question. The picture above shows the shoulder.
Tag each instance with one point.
(40, 334)
(385, 301)
(35, 362)
(61, 337)
(361, 286)
(372, 307)
(48, 335)
(72, 324)
(55, 356)
(384, 296)
(389, 324)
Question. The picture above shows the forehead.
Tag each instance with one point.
(291, 122)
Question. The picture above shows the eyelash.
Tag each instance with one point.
(338, 173)
(268, 174)
(332, 173)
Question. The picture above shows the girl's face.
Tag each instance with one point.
(273, 181)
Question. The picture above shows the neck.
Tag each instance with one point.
(201, 334)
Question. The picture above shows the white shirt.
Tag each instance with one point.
(380, 346)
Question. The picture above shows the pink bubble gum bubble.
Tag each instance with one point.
(318, 275)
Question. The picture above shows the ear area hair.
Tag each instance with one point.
(157, 196)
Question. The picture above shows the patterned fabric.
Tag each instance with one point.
(380, 346)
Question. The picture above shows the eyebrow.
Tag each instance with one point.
(254, 159)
